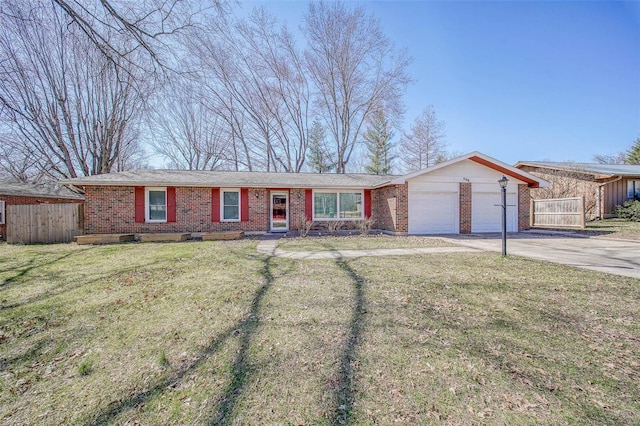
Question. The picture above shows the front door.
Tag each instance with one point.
(279, 211)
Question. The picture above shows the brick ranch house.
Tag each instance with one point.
(458, 196)
(15, 193)
(604, 186)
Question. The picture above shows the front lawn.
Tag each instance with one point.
(214, 333)
(615, 228)
(359, 242)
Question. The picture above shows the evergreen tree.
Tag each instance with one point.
(377, 139)
(319, 157)
(633, 155)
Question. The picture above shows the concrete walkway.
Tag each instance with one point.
(269, 246)
(598, 254)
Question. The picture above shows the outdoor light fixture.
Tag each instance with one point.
(503, 185)
(503, 182)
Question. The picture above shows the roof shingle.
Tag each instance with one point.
(232, 179)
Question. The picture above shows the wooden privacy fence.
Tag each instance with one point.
(44, 223)
(558, 213)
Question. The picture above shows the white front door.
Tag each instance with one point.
(279, 211)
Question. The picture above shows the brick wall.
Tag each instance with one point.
(390, 208)
(297, 215)
(524, 207)
(465, 207)
(111, 210)
(16, 200)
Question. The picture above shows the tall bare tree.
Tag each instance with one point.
(147, 27)
(254, 74)
(63, 102)
(424, 145)
(355, 68)
(185, 131)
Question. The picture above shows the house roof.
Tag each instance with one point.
(485, 160)
(232, 179)
(37, 190)
(285, 180)
(603, 170)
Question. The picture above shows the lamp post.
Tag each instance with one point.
(503, 185)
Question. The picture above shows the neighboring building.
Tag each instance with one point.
(459, 196)
(604, 186)
(15, 193)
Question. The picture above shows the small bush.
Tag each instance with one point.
(629, 210)
(306, 227)
(334, 226)
(365, 225)
(85, 367)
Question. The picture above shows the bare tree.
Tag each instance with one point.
(355, 68)
(147, 27)
(255, 77)
(424, 145)
(610, 159)
(67, 106)
(186, 133)
(232, 82)
(566, 181)
(18, 162)
(286, 94)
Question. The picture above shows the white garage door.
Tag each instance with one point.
(433, 212)
(486, 212)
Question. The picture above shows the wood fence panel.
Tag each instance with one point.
(558, 213)
(44, 223)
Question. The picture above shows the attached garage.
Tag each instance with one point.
(433, 212)
(463, 195)
(486, 209)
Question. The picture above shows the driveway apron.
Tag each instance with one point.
(618, 257)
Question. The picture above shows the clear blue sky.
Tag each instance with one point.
(517, 80)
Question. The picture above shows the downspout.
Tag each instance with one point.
(599, 200)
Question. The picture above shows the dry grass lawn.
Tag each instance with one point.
(358, 242)
(614, 228)
(213, 333)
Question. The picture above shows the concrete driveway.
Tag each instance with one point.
(599, 254)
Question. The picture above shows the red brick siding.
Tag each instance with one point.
(524, 207)
(465, 207)
(297, 208)
(390, 208)
(16, 200)
(111, 209)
